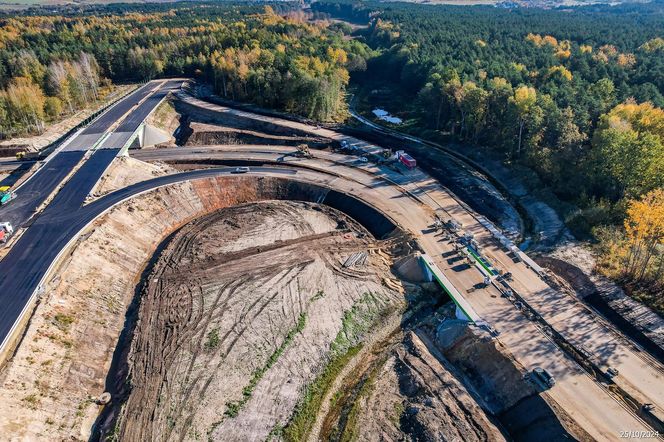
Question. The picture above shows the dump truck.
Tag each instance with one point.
(27, 156)
(406, 159)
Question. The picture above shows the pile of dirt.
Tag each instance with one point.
(231, 120)
(49, 388)
(416, 396)
(50, 385)
(238, 316)
(574, 264)
(204, 134)
(502, 385)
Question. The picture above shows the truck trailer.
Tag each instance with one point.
(406, 159)
(6, 230)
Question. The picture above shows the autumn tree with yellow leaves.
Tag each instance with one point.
(644, 227)
(635, 253)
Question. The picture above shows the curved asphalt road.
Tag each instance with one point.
(29, 260)
(38, 187)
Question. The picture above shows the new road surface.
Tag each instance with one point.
(22, 269)
(33, 192)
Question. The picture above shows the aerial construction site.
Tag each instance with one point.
(205, 272)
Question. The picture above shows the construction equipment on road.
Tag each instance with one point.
(26, 156)
(303, 151)
(6, 196)
(406, 159)
(6, 230)
(544, 376)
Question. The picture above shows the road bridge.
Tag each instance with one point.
(82, 159)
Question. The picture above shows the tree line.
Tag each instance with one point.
(268, 55)
(575, 94)
(36, 93)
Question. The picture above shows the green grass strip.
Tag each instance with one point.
(233, 408)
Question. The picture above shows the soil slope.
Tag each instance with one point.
(238, 315)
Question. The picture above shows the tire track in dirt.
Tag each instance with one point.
(215, 307)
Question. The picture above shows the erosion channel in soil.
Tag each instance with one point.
(286, 320)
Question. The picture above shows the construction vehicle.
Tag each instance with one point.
(544, 376)
(6, 195)
(406, 159)
(303, 151)
(6, 230)
(26, 156)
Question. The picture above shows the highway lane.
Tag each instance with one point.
(35, 190)
(30, 257)
(52, 233)
(73, 194)
(123, 133)
(91, 134)
(643, 377)
(38, 187)
(530, 346)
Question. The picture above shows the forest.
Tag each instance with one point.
(574, 94)
(52, 64)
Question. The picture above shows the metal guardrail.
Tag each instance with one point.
(580, 355)
(86, 122)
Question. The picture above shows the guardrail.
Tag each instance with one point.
(86, 122)
(580, 355)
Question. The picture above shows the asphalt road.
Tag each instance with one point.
(48, 233)
(35, 191)
(64, 217)
(37, 188)
(29, 260)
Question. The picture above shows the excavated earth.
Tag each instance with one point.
(245, 307)
(223, 308)
(248, 297)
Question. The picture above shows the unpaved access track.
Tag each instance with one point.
(249, 325)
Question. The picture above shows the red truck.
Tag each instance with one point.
(406, 159)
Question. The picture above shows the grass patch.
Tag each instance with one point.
(399, 409)
(305, 414)
(355, 323)
(213, 339)
(233, 408)
(63, 322)
(32, 400)
(319, 294)
(276, 433)
(349, 432)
